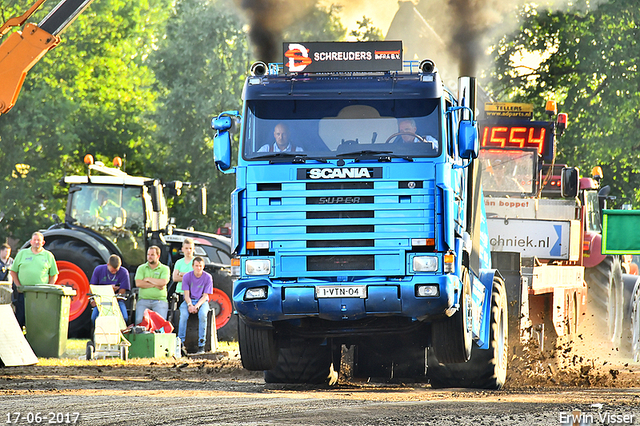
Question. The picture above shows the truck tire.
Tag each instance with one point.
(486, 369)
(222, 304)
(391, 358)
(303, 362)
(84, 258)
(258, 347)
(631, 324)
(605, 298)
(452, 337)
(635, 326)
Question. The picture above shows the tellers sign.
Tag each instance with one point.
(519, 134)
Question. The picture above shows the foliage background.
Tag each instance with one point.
(590, 57)
(136, 79)
(142, 79)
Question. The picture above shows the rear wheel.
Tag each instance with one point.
(631, 335)
(304, 362)
(76, 263)
(605, 298)
(392, 357)
(452, 338)
(486, 369)
(124, 353)
(258, 347)
(226, 321)
(635, 326)
(90, 351)
(222, 304)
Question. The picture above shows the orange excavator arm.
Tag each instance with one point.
(23, 49)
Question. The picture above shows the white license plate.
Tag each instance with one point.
(331, 291)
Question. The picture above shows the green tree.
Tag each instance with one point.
(200, 65)
(91, 94)
(319, 24)
(366, 31)
(589, 64)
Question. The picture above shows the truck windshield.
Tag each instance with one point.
(339, 128)
(115, 212)
(509, 172)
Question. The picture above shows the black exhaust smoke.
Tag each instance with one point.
(268, 20)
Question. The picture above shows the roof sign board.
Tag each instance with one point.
(361, 56)
(508, 110)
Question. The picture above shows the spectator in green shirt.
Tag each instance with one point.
(184, 265)
(152, 279)
(32, 266)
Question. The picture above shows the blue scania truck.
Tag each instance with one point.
(358, 221)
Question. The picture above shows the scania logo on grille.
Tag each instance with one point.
(343, 173)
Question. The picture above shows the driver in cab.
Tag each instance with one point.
(407, 129)
(100, 206)
(282, 142)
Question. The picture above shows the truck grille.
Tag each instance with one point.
(341, 263)
(359, 227)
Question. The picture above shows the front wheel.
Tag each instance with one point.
(487, 368)
(303, 362)
(452, 337)
(631, 342)
(605, 298)
(258, 347)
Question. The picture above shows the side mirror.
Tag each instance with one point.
(604, 191)
(468, 143)
(175, 188)
(222, 141)
(155, 190)
(569, 182)
(203, 200)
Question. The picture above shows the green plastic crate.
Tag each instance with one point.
(152, 345)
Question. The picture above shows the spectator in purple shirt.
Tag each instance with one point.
(114, 275)
(197, 285)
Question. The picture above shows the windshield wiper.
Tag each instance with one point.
(318, 159)
(280, 155)
(363, 153)
(388, 157)
(381, 155)
(295, 157)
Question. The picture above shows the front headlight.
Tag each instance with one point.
(425, 264)
(255, 293)
(257, 267)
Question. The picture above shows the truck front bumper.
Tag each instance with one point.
(293, 300)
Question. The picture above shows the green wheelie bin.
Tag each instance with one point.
(47, 318)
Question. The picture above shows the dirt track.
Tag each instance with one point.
(207, 390)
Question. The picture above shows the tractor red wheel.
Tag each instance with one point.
(71, 275)
(222, 306)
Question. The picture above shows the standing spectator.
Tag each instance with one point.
(197, 285)
(111, 274)
(32, 266)
(183, 265)
(152, 279)
(5, 262)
